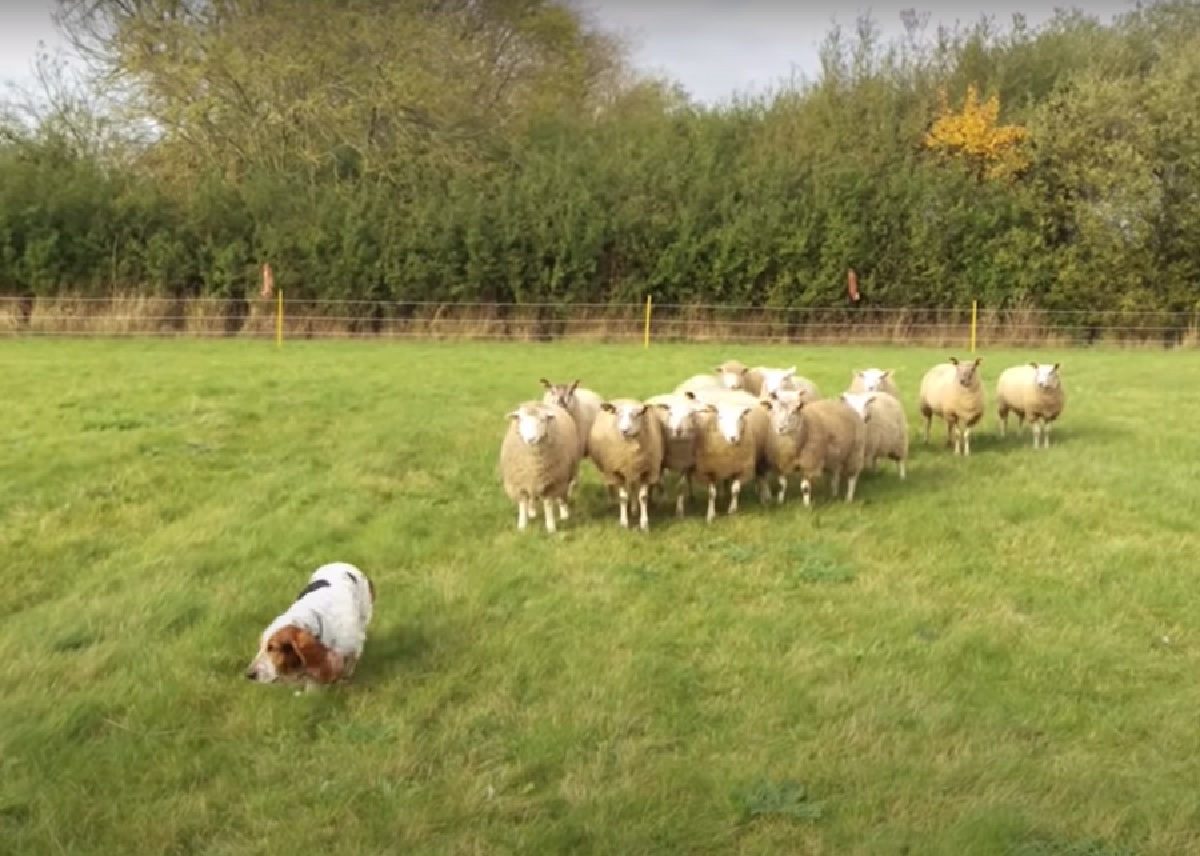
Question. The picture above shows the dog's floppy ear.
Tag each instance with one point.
(317, 659)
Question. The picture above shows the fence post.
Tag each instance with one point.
(974, 320)
(646, 331)
(279, 321)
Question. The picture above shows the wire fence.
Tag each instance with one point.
(542, 322)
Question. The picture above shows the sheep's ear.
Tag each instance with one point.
(888, 372)
(765, 402)
(607, 407)
(512, 414)
(789, 372)
(1055, 369)
(856, 373)
(662, 405)
(546, 383)
(978, 360)
(719, 370)
(954, 361)
(1033, 365)
(689, 395)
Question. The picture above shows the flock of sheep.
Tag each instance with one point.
(741, 424)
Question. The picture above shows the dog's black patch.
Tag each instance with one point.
(313, 586)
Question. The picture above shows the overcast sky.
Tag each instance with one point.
(712, 47)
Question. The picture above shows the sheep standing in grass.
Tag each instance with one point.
(728, 448)
(812, 438)
(1033, 392)
(539, 460)
(761, 381)
(699, 382)
(626, 445)
(953, 391)
(874, 380)
(680, 416)
(582, 403)
(886, 427)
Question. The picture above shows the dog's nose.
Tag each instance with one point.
(251, 675)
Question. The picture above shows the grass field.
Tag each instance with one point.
(997, 656)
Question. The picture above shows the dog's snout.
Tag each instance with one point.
(251, 675)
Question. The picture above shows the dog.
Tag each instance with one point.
(320, 637)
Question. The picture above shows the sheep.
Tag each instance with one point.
(680, 416)
(759, 427)
(582, 403)
(728, 447)
(874, 380)
(539, 460)
(626, 445)
(761, 381)
(1033, 392)
(886, 424)
(699, 382)
(812, 437)
(953, 391)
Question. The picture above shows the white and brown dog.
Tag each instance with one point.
(320, 637)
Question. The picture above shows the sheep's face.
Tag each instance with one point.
(732, 374)
(860, 402)
(775, 380)
(562, 394)
(785, 412)
(968, 373)
(872, 379)
(1045, 374)
(680, 417)
(731, 421)
(533, 424)
(628, 417)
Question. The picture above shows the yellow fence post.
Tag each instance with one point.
(279, 321)
(974, 320)
(646, 331)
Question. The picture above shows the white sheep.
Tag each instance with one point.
(582, 403)
(886, 426)
(680, 415)
(1034, 392)
(811, 438)
(626, 445)
(874, 380)
(761, 381)
(539, 460)
(953, 391)
(730, 447)
(699, 382)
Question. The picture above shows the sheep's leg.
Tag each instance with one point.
(900, 466)
(782, 489)
(522, 514)
(735, 490)
(531, 508)
(644, 507)
(1003, 414)
(564, 513)
(764, 489)
(806, 492)
(1046, 435)
(851, 481)
(835, 482)
(966, 440)
(1036, 430)
(548, 509)
(928, 415)
(712, 501)
(680, 496)
(623, 496)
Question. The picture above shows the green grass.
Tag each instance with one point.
(996, 656)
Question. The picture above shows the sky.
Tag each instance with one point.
(712, 47)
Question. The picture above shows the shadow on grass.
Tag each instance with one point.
(391, 651)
